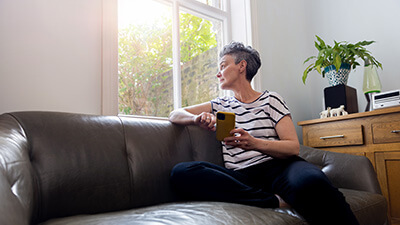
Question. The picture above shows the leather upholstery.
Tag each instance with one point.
(16, 183)
(334, 165)
(153, 148)
(187, 213)
(79, 163)
(64, 168)
(369, 208)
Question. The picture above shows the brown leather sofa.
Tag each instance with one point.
(63, 168)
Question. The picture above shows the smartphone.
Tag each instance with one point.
(225, 123)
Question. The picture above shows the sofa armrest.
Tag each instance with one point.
(16, 184)
(344, 170)
(11, 210)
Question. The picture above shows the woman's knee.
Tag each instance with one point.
(314, 178)
(185, 167)
(305, 178)
(180, 170)
(185, 171)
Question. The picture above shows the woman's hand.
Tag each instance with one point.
(205, 120)
(241, 139)
(199, 115)
(287, 145)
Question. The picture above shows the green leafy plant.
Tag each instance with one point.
(341, 52)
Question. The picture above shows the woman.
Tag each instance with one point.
(262, 167)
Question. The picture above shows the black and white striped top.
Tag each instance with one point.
(258, 119)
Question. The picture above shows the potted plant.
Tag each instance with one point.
(337, 61)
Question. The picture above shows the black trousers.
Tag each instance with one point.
(301, 184)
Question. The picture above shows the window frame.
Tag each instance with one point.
(109, 73)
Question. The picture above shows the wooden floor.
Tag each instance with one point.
(396, 222)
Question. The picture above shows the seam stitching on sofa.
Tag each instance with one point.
(190, 142)
(367, 206)
(131, 197)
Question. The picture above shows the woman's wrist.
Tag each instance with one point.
(260, 144)
(195, 120)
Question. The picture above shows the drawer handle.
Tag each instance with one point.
(330, 137)
(395, 131)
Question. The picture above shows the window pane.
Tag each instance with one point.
(145, 58)
(200, 43)
(214, 3)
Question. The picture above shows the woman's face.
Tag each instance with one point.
(228, 72)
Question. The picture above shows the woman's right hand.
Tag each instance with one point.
(199, 115)
(205, 120)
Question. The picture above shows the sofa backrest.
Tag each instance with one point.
(66, 164)
(154, 147)
(78, 163)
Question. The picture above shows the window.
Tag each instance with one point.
(214, 3)
(148, 83)
(145, 59)
(167, 53)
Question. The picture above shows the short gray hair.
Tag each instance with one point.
(241, 52)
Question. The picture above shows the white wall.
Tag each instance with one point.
(50, 55)
(287, 30)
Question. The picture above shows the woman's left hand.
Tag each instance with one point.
(286, 146)
(241, 139)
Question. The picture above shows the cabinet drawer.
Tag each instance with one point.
(336, 136)
(386, 132)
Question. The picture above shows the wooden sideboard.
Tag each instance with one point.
(374, 134)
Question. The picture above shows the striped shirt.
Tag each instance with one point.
(258, 118)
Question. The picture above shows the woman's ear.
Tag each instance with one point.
(242, 66)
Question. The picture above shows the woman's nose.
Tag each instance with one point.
(219, 74)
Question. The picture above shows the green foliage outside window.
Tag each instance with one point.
(145, 64)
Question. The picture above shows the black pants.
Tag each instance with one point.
(301, 184)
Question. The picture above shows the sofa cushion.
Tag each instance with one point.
(205, 146)
(189, 213)
(369, 209)
(79, 163)
(153, 148)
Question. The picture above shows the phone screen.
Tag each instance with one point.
(225, 123)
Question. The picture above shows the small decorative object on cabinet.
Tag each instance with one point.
(341, 94)
(374, 134)
(371, 83)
